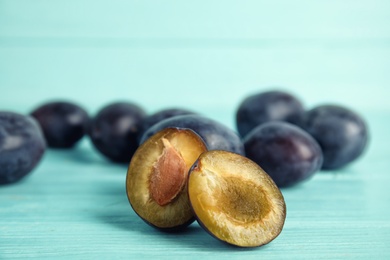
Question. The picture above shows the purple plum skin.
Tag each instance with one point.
(63, 123)
(341, 133)
(114, 130)
(22, 146)
(267, 106)
(159, 116)
(286, 152)
(216, 135)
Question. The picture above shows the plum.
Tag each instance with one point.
(22, 146)
(114, 130)
(235, 200)
(341, 133)
(63, 123)
(156, 181)
(216, 135)
(267, 106)
(161, 115)
(286, 152)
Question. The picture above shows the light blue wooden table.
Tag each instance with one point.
(206, 56)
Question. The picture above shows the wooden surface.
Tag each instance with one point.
(206, 56)
(74, 206)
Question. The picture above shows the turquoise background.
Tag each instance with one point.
(206, 56)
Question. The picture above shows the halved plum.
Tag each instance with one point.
(235, 200)
(157, 177)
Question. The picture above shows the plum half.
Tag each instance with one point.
(156, 181)
(235, 200)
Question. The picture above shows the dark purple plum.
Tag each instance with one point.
(341, 133)
(21, 146)
(286, 152)
(267, 106)
(63, 123)
(114, 130)
(161, 115)
(216, 135)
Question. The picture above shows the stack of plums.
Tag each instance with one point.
(185, 166)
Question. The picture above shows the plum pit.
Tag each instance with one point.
(168, 175)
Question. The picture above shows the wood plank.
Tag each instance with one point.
(74, 206)
(201, 19)
(216, 78)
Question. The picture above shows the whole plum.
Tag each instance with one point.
(286, 152)
(216, 135)
(267, 106)
(63, 123)
(21, 146)
(341, 133)
(114, 130)
(161, 115)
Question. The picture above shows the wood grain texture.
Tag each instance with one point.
(173, 49)
(74, 205)
(201, 19)
(205, 56)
